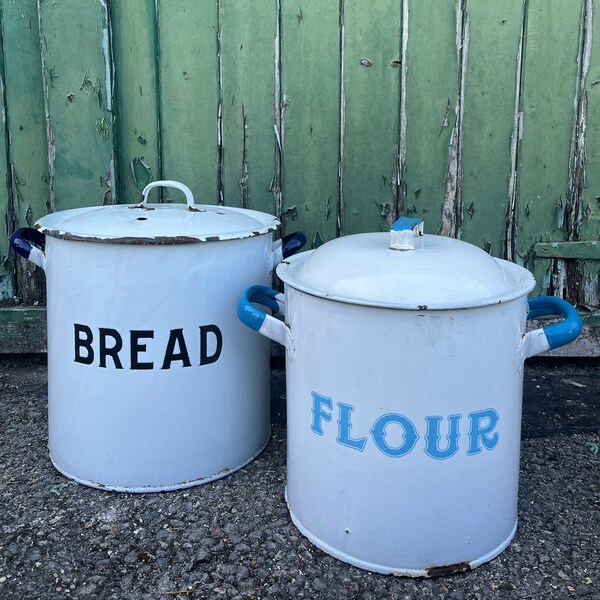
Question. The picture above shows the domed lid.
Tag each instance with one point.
(405, 269)
(157, 223)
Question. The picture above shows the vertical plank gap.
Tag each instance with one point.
(111, 195)
(50, 139)
(399, 184)
(112, 107)
(12, 205)
(221, 157)
(509, 249)
(342, 152)
(159, 105)
(277, 183)
(452, 205)
(577, 160)
(244, 175)
(5, 134)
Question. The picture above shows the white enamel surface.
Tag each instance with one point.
(156, 429)
(37, 257)
(275, 330)
(534, 343)
(439, 273)
(156, 222)
(405, 514)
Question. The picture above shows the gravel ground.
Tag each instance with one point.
(233, 538)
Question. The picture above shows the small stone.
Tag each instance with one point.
(87, 589)
(583, 590)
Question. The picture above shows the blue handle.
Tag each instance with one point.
(290, 244)
(21, 239)
(250, 315)
(561, 333)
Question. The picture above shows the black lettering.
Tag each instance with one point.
(176, 337)
(113, 351)
(204, 331)
(136, 348)
(86, 343)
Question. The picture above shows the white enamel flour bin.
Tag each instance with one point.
(404, 358)
(153, 384)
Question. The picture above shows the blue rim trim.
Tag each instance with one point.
(292, 243)
(251, 316)
(21, 238)
(561, 333)
(405, 223)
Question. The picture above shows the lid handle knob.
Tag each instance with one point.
(173, 184)
(406, 234)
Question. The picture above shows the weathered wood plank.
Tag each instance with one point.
(590, 226)
(549, 84)
(22, 330)
(310, 106)
(489, 119)
(248, 32)
(189, 96)
(588, 250)
(371, 97)
(431, 100)
(28, 158)
(77, 72)
(136, 95)
(590, 222)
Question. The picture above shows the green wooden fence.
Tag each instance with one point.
(482, 116)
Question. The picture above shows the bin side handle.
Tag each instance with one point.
(553, 336)
(22, 240)
(260, 321)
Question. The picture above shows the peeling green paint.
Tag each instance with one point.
(79, 133)
(102, 128)
(142, 173)
(317, 241)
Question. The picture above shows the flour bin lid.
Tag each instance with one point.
(405, 269)
(157, 223)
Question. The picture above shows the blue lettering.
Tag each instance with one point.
(410, 435)
(432, 437)
(483, 422)
(318, 414)
(344, 427)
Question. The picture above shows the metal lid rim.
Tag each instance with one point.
(158, 240)
(516, 292)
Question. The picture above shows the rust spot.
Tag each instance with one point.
(142, 207)
(423, 307)
(195, 209)
(461, 567)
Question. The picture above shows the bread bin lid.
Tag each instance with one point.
(157, 223)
